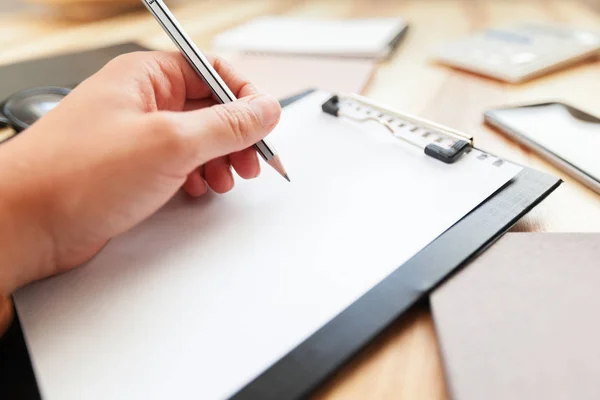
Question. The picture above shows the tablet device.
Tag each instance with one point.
(567, 137)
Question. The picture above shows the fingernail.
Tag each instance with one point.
(266, 108)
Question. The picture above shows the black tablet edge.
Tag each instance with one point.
(289, 100)
(307, 366)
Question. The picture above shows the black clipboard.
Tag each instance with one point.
(304, 368)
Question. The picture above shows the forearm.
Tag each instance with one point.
(25, 248)
(15, 256)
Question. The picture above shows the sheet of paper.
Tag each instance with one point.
(369, 38)
(287, 75)
(206, 294)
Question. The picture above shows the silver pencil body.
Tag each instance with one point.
(200, 63)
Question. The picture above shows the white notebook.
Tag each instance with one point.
(367, 38)
(206, 294)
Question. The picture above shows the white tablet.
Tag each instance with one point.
(567, 137)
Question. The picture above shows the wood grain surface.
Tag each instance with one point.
(404, 363)
(12, 5)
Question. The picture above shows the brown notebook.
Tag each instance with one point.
(522, 321)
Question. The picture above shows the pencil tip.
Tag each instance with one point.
(275, 162)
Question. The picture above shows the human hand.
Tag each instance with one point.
(113, 152)
(6, 311)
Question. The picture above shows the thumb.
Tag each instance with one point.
(226, 128)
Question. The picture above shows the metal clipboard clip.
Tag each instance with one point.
(437, 141)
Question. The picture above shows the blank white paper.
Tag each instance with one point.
(206, 294)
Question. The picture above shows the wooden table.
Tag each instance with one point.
(404, 362)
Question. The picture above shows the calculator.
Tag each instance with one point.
(520, 52)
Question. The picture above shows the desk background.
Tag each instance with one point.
(404, 363)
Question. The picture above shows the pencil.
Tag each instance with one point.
(205, 70)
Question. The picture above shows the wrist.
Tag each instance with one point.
(25, 247)
(6, 311)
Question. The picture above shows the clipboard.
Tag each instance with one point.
(304, 368)
(307, 366)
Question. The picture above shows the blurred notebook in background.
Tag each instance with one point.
(373, 38)
(283, 76)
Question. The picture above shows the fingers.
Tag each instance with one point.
(218, 175)
(245, 163)
(192, 105)
(213, 132)
(197, 88)
(195, 185)
(240, 86)
(165, 80)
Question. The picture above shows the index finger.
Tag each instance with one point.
(238, 84)
(196, 88)
(170, 79)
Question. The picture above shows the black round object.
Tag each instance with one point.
(24, 108)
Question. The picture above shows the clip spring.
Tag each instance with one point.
(448, 155)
